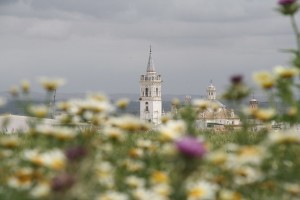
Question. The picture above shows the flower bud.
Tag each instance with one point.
(75, 153)
(62, 182)
(288, 7)
(191, 147)
(286, 2)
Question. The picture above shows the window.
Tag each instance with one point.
(146, 108)
(146, 92)
(157, 92)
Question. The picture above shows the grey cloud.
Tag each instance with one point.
(3, 2)
(103, 44)
(52, 29)
(135, 10)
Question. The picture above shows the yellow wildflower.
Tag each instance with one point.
(265, 114)
(40, 111)
(122, 103)
(158, 177)
(284, 72)
(264, 79)
(51, 84)
(25, 86)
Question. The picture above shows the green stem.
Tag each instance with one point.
(296, 31)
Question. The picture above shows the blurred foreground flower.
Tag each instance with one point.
(236, 79)
(288, 7)
(292, 188)
(40, 111)
(237, 90)
(10, 141)
(134, 181)
(122, 103)
(60, 133)
(172, 130)
(284, 72)
(112, 195)
(191, 147)
(229, 195)
(200, 104)
(75, 153)
(286, 2)
(41, 190)
(264, 79)
(159, 177)
(264, 114)
(25, 86)
(287, 137)
(201, 190)
(22, 179)
(62, 182)
(53, 159)
(129, 123)
(51, 84)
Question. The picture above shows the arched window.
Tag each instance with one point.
(146, 108)
(146, 92)
(157, 92)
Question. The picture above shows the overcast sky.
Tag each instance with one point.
(103, 45)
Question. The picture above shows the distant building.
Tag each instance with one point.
(20, 124)
(253, 103)
(218, 117)
(150, 94)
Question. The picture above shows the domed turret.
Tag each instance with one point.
(211, 92)
(253, 103)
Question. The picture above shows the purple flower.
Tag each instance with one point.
(236, 79)
(286, 2)
(75, 153)
(62, 182)
(191, 147)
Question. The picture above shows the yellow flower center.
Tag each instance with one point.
(159, 177)
(196, 192)
(249, 151)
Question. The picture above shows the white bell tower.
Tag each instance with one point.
(150, 94)
(211, 92)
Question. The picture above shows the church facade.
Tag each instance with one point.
(150, 94)
(219, 117)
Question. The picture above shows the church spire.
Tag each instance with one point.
(150, 66)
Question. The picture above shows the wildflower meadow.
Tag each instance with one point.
(93, 150)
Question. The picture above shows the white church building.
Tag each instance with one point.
(150, 94)
(222, 116)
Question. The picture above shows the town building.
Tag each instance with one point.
(218, 117)
(150, 94)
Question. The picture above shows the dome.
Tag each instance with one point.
(211, 87)
(253, 100)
